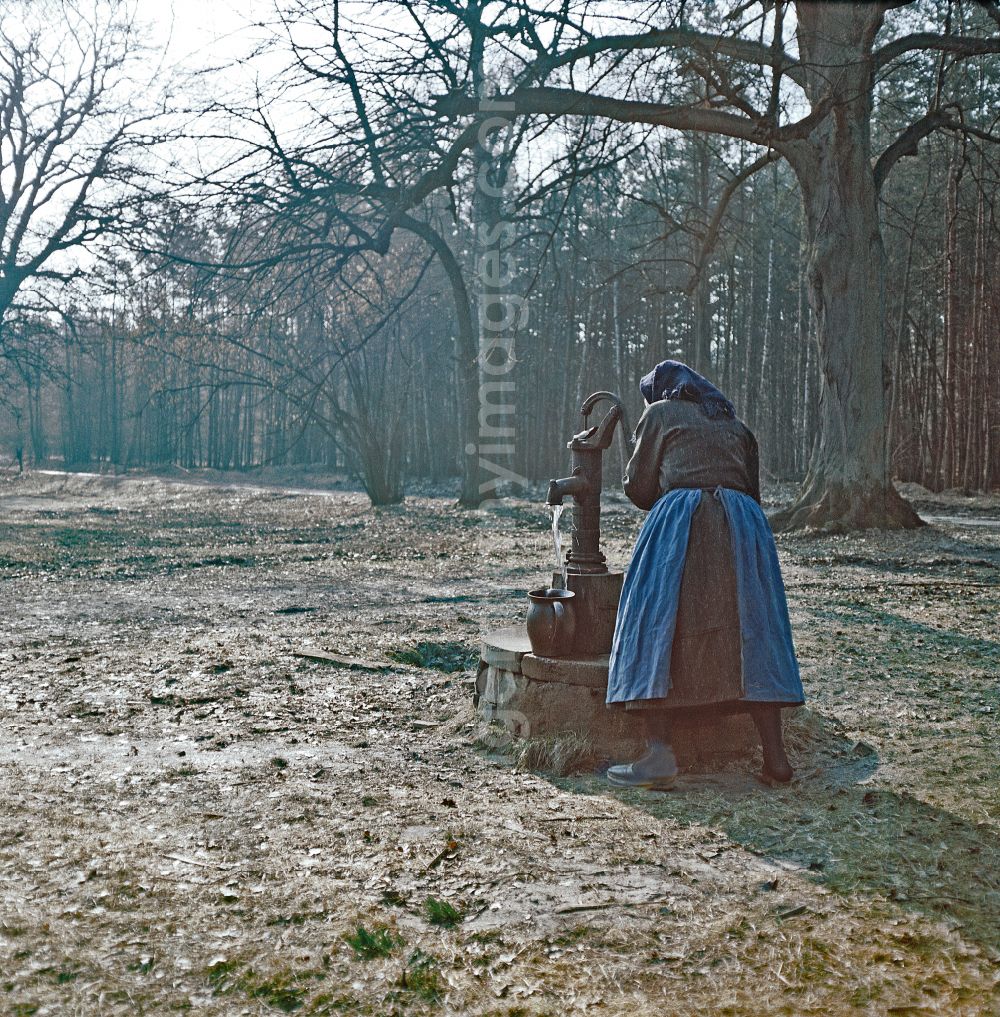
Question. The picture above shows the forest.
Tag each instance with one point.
(228, 287)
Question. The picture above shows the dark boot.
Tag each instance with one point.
(767, 718)
(657, 769)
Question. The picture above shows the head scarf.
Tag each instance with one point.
(674, 380)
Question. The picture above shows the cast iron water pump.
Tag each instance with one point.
(584, 485)
(597, 589)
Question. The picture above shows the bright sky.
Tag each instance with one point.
(242, 41)
(204, 32)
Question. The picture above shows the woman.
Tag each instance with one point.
(703, 620)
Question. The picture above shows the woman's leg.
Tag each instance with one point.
(656, 727)
(767, 718)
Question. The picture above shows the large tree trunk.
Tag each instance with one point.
(466, 361)
(701, 297)
(849, 484)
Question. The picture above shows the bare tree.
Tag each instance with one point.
(375, 162)
(72, 116)
(814, 109)
(263, 337)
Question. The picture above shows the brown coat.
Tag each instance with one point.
(678, 446)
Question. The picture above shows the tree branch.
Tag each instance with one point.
(907, 142)
(569, 102)
(707, 42)
(990, 9)
(962, 45)
(708, 241)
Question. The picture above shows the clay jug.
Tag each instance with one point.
(551, 622)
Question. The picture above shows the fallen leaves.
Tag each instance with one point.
(131, 869)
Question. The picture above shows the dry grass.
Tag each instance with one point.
(558, 755)
(198, 821)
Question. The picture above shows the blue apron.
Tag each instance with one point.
(647, 613)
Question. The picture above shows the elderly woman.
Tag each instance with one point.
(703, 621)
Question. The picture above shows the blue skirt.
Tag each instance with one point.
(647, 613)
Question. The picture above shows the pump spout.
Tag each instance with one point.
(600, 435)
(575, 486)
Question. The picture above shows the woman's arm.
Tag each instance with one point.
(642, 475)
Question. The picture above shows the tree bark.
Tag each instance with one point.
(466, 359)
(848, 485)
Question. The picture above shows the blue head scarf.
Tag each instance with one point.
(673, 380)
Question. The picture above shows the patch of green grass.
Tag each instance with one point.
(572, 936)
(221, 560)
(279, 763)
(280, 993)
(73, 537)
(441, 912)
(447, 657)
(221, 973)
(421, 976)
(286, 991)
(298, 918)
(378, 941)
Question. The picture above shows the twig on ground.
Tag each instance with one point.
(610, 904)
(192, 861)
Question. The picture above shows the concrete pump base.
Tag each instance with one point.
(538, 696)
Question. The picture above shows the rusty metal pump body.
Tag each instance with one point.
(585, 483)
(596, 588)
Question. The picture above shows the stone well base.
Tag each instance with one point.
(537, 696)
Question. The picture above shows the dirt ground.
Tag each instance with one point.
(196, 819)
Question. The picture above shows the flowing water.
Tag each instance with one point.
(557, 511)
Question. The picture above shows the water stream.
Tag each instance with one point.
(557, 511)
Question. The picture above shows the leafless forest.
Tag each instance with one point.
(196, 277)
